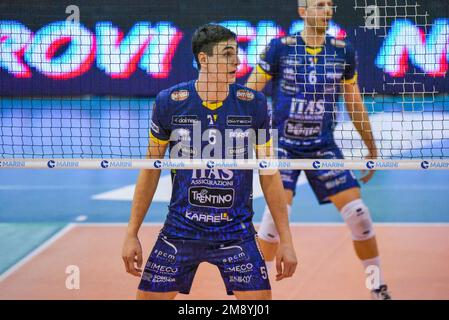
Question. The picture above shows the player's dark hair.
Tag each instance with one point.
(206, 37)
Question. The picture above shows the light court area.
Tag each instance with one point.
(414, 256)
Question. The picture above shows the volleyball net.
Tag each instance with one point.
(77, 87)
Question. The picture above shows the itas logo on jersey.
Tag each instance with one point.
(312, 108)
(213, 174)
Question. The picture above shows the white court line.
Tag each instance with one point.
(36, 251)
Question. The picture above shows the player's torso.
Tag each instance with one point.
(215, 130)
(306, 91)
(211, 203)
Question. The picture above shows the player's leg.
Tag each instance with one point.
(341, 188)
(357, 217)
(242, 268)
(170, 269)
(146, 295)
(348, 202)
(253, 295)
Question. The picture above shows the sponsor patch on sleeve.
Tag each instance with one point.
(338, 43)
(289, 41)
(179, 95)
(245, 95)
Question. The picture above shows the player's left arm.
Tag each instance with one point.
(359, 116)
(355, 106)
(273, 190)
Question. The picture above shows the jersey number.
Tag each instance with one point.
(312, 77)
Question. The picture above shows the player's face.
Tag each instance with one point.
(318, 13)
(224, 62)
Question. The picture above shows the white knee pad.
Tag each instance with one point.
(267, 230)
(357, 217)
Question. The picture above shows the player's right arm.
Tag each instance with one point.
(143, 195)
(258, 79)
(273, 190)
(265, 68)
(145, 189)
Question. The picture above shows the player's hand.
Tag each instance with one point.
(286, 261)
(368, 174)
(132, 255)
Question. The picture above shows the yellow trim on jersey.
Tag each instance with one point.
(158, 141)
(314, 51)
(263, 72)
(212, 106)
(265, 145)
(351, 81)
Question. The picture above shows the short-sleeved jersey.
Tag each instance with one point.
(306, 87)
(210, 204)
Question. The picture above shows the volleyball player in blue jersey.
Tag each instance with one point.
(210, 212)
(310, 71)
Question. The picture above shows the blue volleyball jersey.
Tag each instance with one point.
(210, 204)
(306, 87)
